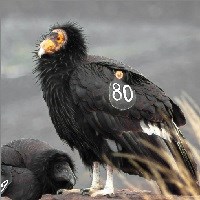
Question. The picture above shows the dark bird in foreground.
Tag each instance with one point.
(112, 114)
(19, 183)
(30, 168)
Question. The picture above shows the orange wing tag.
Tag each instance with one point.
(119, 74)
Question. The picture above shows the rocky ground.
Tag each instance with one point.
(120, 194)
(125, 194)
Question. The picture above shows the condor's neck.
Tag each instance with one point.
(53, 71)
(54, 74)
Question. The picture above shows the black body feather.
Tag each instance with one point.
(31, 165)
(76, 89)
(24, 185)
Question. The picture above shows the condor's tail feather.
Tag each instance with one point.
(184, 158)
(151, 156)
(185, 153)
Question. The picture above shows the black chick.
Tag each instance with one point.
(33, 168)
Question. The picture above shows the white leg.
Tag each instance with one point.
(109, 180)
(108, 189)
(96, 176)
(96, 185)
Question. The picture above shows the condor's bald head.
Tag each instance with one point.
(63, 40)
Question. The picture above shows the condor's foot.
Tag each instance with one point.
(109, 192)
(65, 191)
(92, 189)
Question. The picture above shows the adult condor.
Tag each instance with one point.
(112, 114)
(30, 168)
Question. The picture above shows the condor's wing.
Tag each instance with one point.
(19, 183)
(6, 177)
(122, 105)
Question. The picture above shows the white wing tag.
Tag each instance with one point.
(121, 96)
(4, 185)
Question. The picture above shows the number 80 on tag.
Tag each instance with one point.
(121, 96)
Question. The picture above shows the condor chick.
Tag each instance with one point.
(31, 168)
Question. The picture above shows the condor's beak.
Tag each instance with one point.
(41, 52)
(72, 179)
(66, 174)
(46, 47)
(70, 176)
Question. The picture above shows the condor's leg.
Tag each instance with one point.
(96, 177)
(96, 185)
(108, 189)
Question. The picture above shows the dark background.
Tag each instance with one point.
(159, 38)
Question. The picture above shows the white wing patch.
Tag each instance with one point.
(151, 129)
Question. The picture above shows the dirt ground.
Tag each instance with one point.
(120, 194)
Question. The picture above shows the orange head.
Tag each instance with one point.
(53, 42)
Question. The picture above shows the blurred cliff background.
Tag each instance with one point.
(161, 39)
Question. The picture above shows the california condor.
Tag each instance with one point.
(31, 168)
(111, 113)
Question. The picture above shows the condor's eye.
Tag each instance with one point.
(61, 36)
(57, 166)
